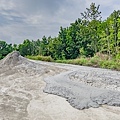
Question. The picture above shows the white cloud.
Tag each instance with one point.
(34, 19)
(22, 19)
(6, 5)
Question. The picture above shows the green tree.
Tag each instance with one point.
(84, 39)
(111, 28)
(116, 28)
(92, 18)
(44, 46)
(26, 48)
(15, 47)
(5, 49)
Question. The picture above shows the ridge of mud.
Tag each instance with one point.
(83, 92)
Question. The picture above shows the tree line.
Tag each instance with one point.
(87, 36)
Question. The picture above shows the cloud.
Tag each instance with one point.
(31, 19)
(6, 5)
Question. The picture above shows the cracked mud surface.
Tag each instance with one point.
(22, 97)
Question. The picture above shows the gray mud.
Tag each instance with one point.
(96, 77)
(85, 88)
(14, 90)
(14, 62)
(20, 83)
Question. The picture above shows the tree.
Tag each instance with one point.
(26, 48)
(105, 41)
(70, 43)
(84, 39)
(44, 46)
(55, 48)
(92, 13)
(116, 27)
(111, 29)
(92, 18)
(37, 44)
(15, 47)
(5, 49)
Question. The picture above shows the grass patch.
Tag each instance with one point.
(94, 62)
(100, 61)
(42, 58)
(110, 64)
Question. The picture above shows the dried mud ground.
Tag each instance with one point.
(23, 81)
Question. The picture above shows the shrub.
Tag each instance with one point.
(42, 58)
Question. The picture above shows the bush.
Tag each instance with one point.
(42, 58)
(118, 57)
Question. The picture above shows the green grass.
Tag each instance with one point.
(42, 58)
(96, 61)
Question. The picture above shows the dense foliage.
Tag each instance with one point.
(87, 36)
(5, 49)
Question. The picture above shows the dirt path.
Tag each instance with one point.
(22, 96)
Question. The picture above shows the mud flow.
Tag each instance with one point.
(36, 90)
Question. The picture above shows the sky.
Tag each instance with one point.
(32, 19)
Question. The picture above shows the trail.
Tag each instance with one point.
(23, 81)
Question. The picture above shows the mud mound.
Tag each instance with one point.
(13, 58)
(14, 62)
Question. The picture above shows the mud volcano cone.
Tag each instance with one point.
(11, 59)
(15, 62)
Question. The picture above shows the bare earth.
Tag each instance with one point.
(22, 83)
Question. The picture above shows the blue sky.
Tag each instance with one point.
(32, 19)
